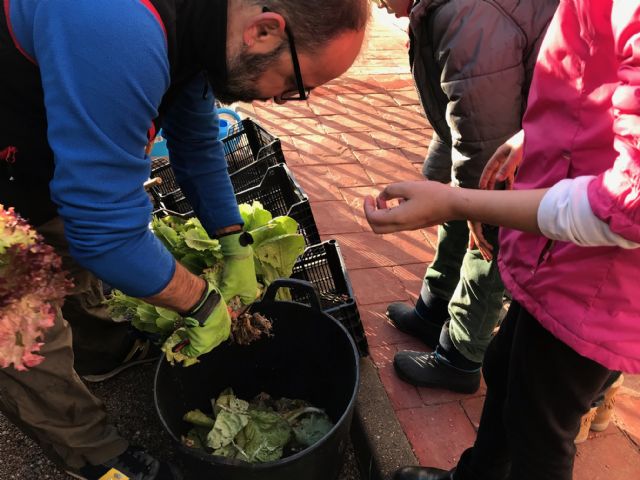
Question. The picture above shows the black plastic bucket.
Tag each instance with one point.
(310, 357)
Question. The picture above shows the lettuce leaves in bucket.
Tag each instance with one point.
(262, 430)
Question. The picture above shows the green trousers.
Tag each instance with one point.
(472, 286)
(50, 402)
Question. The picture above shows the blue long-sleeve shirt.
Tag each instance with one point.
(105, 69)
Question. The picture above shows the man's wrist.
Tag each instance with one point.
(200, 301)
(205, 306)
(230, 230)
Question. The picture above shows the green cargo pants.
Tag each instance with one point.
(50, 402)
(471, 284)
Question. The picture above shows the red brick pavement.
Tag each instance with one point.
(351, 138)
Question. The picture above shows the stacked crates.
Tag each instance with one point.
(258, 171)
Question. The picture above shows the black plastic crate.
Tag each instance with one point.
(278, 192)
(323, 265)
(243, 144)
(281, 195)
(249, 151)
(160, 167)
(252, 173)
(175, 204)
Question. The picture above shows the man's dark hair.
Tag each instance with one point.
(316, 22)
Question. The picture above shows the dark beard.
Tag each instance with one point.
(243, 72)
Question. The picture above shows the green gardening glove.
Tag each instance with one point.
(208, 324)
(239, 274)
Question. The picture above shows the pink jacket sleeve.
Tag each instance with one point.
(615, 195)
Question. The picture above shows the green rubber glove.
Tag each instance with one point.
(239, 274)
(208, 325)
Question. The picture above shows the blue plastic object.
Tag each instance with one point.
(160, 143)
(224, 123)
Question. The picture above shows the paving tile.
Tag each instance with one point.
(349, 84)
(313, 159)
(320, 145)
(376, 285)
(350, 175)
(438, 434)
(411, 277)
(334, 217)
(627, 415)
(292, 157)
(367, 249)
(388, 166)
(473, 409)
(353, 123)
(286, 143)
(271, 110)
(293, 126)
(369, 104)
(323, 183)
(607, 458)
(382, 355)
(395, 82)
(401, 118)
(358, 108)
(327, 105)
(402, 395)
(415, 154)
(359, 140)
(317, 182)
(379, 329)
(407, 138)
(406, 97)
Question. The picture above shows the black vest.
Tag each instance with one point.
(196, 37)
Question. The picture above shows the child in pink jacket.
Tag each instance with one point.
(569, 253)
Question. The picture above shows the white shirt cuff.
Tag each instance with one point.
(565, 214)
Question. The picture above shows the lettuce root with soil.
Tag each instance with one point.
(276, 247)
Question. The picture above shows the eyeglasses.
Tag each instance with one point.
(301, 93)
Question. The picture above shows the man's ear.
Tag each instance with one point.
(264, 32)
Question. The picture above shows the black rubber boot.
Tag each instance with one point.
(431, 370)
(445, 368)
(423, 473)
(424, 321)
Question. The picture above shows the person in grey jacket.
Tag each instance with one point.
(472, 62)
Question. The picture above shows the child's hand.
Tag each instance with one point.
(477, 239)
(502, 166)
(421, 204)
